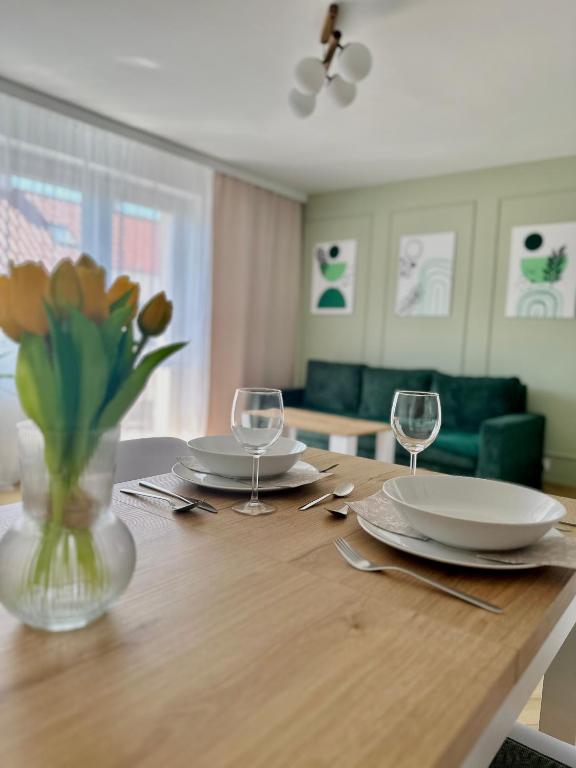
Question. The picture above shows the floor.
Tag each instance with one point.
(531, 712)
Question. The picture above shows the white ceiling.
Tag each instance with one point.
(455, 85)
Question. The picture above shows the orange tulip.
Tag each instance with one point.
(121, 287)
(92, 281)
(65, 291)
(155, 316)
(7, 322)
(86, 260)
(28, 291)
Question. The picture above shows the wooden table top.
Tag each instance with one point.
(250, 642)
(331, 423)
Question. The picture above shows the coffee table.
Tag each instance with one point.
(343, 432)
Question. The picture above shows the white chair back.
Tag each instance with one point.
(147, 456)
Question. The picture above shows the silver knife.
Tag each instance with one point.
(200, 503)
(182, 508)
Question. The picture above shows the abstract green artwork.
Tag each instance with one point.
(542, 271)
(425, 267)
(333, 276)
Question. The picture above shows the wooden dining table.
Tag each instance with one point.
(250, 643)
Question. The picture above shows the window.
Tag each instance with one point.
(66, 187)
(37, 219)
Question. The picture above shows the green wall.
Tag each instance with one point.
(477, 339)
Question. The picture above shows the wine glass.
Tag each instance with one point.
(257, 422)
(415, 418)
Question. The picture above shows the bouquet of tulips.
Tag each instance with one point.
(79, 370)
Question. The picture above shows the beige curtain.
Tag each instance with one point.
(255, 295)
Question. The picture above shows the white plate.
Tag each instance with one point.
(224, 484)
(433, 550)
(474, 513)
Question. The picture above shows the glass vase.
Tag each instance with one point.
(67, 557)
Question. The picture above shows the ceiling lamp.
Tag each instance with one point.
(354, 63)
(310, 75)
(341, 91)
(302, 104)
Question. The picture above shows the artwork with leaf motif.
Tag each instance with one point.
(542, 271)
(425, 267)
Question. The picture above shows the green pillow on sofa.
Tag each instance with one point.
(380, 384)
(467, 401)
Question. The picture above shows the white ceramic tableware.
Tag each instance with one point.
(473, 513)
(223, 455)
(440, 553)
(217, 483)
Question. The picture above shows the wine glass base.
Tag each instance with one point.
(254, 508)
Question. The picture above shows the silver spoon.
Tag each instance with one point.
(339, 512)
(342, 489)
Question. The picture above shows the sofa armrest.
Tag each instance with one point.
(511, 448)
(293, 398)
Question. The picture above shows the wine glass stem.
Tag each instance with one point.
(255, 473)
(413, 457)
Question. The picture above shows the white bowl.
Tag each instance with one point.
(472, 513)
(223, 455)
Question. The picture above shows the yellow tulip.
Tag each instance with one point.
(65, 291)
(92, 281)
(7, 322)
(121, 287)
(28, 291)
(155, 316)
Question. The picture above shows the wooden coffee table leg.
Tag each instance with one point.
(385, 446)
(343, 444)
(558, 709)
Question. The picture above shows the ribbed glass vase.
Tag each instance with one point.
(67, 557)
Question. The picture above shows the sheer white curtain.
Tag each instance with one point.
(67, 187)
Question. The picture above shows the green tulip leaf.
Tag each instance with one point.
(132, 386)
(92, 373)
(65, 369)
(113, 329)
(36, 382)
(93, 368)
(38, 392)
(122, 301)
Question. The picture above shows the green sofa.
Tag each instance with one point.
(485, 432)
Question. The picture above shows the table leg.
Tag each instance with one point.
(385, 446)
(290, 432)
(343, 444)
(558, 710)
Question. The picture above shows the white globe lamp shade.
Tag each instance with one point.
(355, 62)
(309, 74)
(302, 104)
(341, 91)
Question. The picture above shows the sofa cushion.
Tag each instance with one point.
(467, 401)
(380, 384)
(333, 387)
(451, 451)
(454, 453)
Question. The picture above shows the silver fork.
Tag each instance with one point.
(356, 560)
